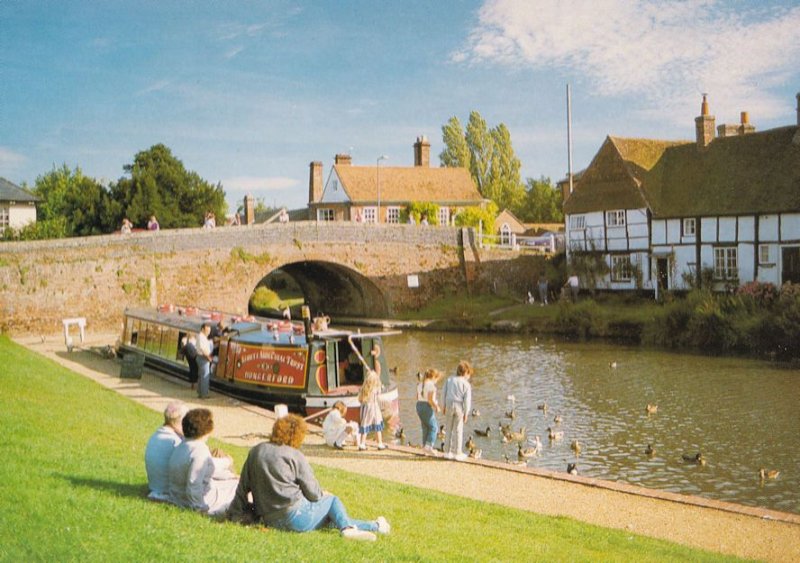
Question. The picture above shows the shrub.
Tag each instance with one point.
(764, 294)
(580, 320)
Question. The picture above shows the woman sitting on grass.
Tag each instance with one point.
(196, 479)
(286, 494)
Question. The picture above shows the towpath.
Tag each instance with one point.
(712, 525)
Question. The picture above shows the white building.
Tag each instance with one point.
(664, 214)
(17, 206)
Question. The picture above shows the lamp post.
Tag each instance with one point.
(378, 182)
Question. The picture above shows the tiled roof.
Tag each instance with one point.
(753, 173)
(12, 192)
(404, 184)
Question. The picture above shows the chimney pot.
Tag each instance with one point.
(745, 118)
(343, 159)
(422, 152)
(704, 125)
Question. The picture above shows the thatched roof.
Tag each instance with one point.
(753, 173)
(445, 186)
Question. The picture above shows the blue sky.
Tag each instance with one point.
(248, 93)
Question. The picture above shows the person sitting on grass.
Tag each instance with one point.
(159, 449)
(336, 429)
(286, 494)
(196, 479)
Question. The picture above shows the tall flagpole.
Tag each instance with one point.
(569, 138)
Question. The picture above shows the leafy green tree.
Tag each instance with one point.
(456, 152)
(160, 185)
(543, 202)
(477, 216)
(489, 156)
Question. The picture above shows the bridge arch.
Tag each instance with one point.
(329, 288)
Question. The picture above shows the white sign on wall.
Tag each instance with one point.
(413, 280)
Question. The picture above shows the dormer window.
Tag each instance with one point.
(615, 218)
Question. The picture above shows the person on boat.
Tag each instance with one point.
(368, 396)
(336, 429)
(159, 449)
(196, 480)
(457, 406)
(427, 407)
(204, 357)
(286, 494)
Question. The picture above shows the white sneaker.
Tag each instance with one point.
(448, 455)
(461, 457)
(356, 534)
(383, 525)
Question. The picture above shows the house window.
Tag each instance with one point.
(335, 185)
(505, 234)
(621, 268)
(615, 218)
(689, 227)
(577, 222)
(726, 264)
(763, 254)
(370, 215)
(392, 214)
(4, 221)
(325, 214)
(444, 216)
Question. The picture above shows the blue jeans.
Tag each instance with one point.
(327, 511)
(429, 423)
(203, 376)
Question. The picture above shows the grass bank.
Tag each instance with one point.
(73, 489)
(758, 320)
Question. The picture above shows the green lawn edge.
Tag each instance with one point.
(73, 489)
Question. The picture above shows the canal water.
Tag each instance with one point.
(740, 414)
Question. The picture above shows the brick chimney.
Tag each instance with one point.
(746, 127)
(249, 209)
(704, 125)
(315, 182)
(343, 159)
(422, 152)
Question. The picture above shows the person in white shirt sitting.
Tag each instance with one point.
(336, 429)
(159, 449)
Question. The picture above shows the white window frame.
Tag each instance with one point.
(444, 216)
(370, 214)
(726, 263)
(621, 268)
(764, 254)
(577, 222)
(5, 216)
(689, 227)
(505, 234)
(325, 214)
(615, 218)
(392, 214)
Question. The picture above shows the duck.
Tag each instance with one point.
(696, 458)
(513, 461)
(512, 414)
(517, 436)
(441, 446)
(475, 413)
(651, 409)
(525, 453)
(575, 446)
(470, 444)
(504, 428)
(441, 433)
(572, 468)
(649, 450)
(542, 407)
(557, 419)
(536, 443)
(612, 365)
(475, 453)
(768, 474)
(400, 434)
(483, 433)
(393, 370)
(553, 436)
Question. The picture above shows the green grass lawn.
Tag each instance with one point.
(73, 486)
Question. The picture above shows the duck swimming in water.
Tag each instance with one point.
(475, 413)
(542, 407)
(651, 409)
(513, 461)
(441, 433)
(557, 419)
(470, 444)
(697, 458)
(575, 446)
(525, 453)
(483, 433)
(649, 450)
(572, 468)
(553, 436)
(771, 474)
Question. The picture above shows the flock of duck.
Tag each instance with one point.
(529, 447)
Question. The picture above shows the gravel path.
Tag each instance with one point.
(713, 525)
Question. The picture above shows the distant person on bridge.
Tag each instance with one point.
(159, 449)
(286, 494)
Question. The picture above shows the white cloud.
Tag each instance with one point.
(10, 160)
(256, 184)
(666, 53)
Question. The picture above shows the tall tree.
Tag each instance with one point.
(505, 182)
(543, 202)
(160, 185)
(456, 152)
(481, 149)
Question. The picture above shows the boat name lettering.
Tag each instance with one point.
(273, 356)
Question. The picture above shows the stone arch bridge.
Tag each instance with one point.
(353, 270)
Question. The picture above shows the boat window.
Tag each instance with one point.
(351, 366)
(133, 331)
(332, 364)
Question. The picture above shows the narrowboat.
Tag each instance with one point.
(306, 365)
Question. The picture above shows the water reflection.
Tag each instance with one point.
(741, 414)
